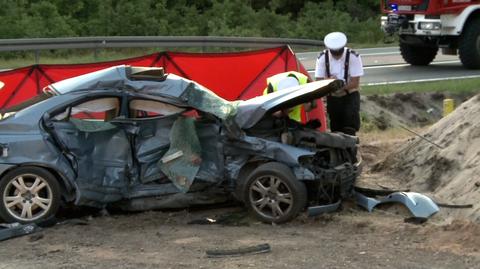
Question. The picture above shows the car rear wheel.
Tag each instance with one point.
(29, 194)
(273, 194)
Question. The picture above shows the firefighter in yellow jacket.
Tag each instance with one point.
(283, 81)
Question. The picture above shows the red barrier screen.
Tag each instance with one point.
(238, 75)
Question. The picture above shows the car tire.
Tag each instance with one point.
(469, 45)
(418, 55)
(29, 195)
(273, 194)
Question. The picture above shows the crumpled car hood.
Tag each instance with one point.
(251, 111)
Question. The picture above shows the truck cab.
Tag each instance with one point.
(425, 26)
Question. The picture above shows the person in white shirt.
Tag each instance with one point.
(340, 62)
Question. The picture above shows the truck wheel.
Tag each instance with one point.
(28, 194)
(273, 194)
(469, 46)
(417, 55)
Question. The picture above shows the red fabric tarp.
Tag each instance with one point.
(238, 75)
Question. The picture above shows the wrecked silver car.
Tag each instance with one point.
(139, 139)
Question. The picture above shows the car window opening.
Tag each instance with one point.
(140, 108)
(93, 115)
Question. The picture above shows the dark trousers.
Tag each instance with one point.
(344, 113)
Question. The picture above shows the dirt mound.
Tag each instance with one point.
(451, 174)
(410, 109)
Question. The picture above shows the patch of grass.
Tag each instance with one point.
(366, 123)
(10, 60)
(470, 85)
(68, 57)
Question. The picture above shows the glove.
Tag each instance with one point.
(313, 124)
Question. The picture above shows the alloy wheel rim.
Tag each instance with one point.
(27, 197)
(270, 197)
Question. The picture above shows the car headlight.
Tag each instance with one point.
(427, 25)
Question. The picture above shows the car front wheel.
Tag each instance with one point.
(417, 55)
(29, 194)
(273, 193)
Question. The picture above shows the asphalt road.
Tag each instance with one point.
(386, 66)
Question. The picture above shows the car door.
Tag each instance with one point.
(100, 151)
(154, 120)
(175, 145)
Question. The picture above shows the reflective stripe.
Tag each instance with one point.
(296, 112)
(302, 79)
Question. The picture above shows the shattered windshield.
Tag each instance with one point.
(8, 112)
(205, 100)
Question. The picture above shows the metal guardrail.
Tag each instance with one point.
(99, 42)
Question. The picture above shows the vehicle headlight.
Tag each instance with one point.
(427, 25)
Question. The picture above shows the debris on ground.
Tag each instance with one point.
(203, 221)
(448, 174)
(415, 220)
(419, 205)
(75, 221)
(240, 218)
(320, 209)
(12, 230)
(262, 248)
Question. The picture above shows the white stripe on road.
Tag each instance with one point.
(380, 53)
(396, 65)
(419, 80)
(312, 73)
(401, 65)
(379, 48)
(362, 54)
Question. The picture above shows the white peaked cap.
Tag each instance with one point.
(287, 83)
(335, 40)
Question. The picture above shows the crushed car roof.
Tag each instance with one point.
(152, 81)
(121, 77)
(149, 81)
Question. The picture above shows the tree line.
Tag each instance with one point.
(359, 19)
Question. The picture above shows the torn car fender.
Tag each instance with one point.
(5, 167)
(418, 204)
(249, 145)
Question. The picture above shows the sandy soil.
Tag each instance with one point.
(351, 238)
(449, 169)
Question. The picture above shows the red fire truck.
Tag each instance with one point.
(424, 26)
